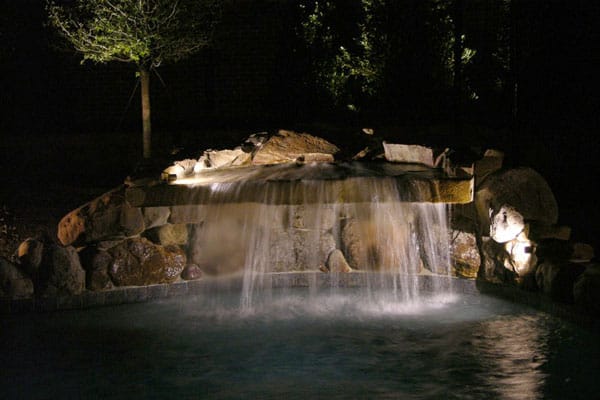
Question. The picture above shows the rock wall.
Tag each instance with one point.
(507, 234)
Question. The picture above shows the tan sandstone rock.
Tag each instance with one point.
(289, 146)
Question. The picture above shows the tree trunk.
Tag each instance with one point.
(146, 126)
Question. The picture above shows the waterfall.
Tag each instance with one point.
(396, 245)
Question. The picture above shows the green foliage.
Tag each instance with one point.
(144, 32)
(362, 51)
(344, 39)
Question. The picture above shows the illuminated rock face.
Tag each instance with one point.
(108, 216)
(141, 262)
(523, 190)
(506, 224)
(465, 254)
(283, 202)
(288, 146)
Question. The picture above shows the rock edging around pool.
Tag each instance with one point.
(141, 294)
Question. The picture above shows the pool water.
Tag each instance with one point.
(299, 344)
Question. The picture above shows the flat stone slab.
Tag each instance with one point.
(294, 184)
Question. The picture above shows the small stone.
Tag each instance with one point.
(191, 272)
(336, 262)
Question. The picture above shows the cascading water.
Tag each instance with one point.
(397, 246)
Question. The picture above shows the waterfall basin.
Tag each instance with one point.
(300, 342)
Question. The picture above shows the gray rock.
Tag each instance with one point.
(493, 264)
(586, 290)
(63, 274)
(14, 283)
(30, 255)
(155, 216)
(409, 153)
(491, 162)
(96, 263)
(557, 279)
(191, 272)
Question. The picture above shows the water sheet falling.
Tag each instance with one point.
(396, 246)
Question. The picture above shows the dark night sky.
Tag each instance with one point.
(559, 134)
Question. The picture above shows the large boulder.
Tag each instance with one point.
(96, 263)
(506, 224)
(14, 283)
(169, 234)
(358, 241)
(493, 265)
(106, 217)
(522, 258)
(155, 216)
(289, 146)
(138, 262)
(490, 162)
(586, 290)
(221, 244)
(557, 279)
(371, 243)
(30, 254)
(522, 190)
(62, 273)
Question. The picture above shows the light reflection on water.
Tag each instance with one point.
(328, 345)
